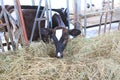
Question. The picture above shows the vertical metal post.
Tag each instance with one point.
(1, 14)
(112, 7)
(39, 27)
(50, 13)
(119, 25)
(91, 8)
(76, 13)
(99, 31)
(106, 17)
(33, 2)
(68, 14)
(47, 8)
(107, 7)
(34, 25)
(85, 17)
(8, 26)
(47, 12)
(21, 21)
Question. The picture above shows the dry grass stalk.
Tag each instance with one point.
(84, 59)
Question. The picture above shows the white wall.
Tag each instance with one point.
(54, 3)
(61, 3)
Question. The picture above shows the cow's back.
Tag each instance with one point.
(29, 16)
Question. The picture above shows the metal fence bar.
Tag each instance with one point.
(8, 26)
(76, 13)
(111, 13)
(119, 26)
(1, 14)
(106, 5)
(49, 13)
(68, 18)
(33, 2)
(34, 24)
(39, 21)
(47, 8)
(106, 17)
(13, 20)
(100, 23)
(85, 17)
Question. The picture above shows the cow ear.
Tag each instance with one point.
(74, 32)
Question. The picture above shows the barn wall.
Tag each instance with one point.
(62, 3)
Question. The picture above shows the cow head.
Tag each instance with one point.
(59, 33)
(60, 36)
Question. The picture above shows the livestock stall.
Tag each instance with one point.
(93, 58)
(96, 14)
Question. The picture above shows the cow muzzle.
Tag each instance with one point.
(59, 55)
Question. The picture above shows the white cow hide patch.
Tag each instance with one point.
(58, 34)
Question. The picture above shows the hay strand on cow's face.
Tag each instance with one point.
(84, 59)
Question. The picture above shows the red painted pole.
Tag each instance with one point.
(22, 21)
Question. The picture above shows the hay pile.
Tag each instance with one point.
(84, 59)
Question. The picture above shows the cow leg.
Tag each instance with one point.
(1, 45)
(16, 36)
(6, 35)
(15, 40)
(18, 41)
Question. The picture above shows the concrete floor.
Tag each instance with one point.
(92, 32)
